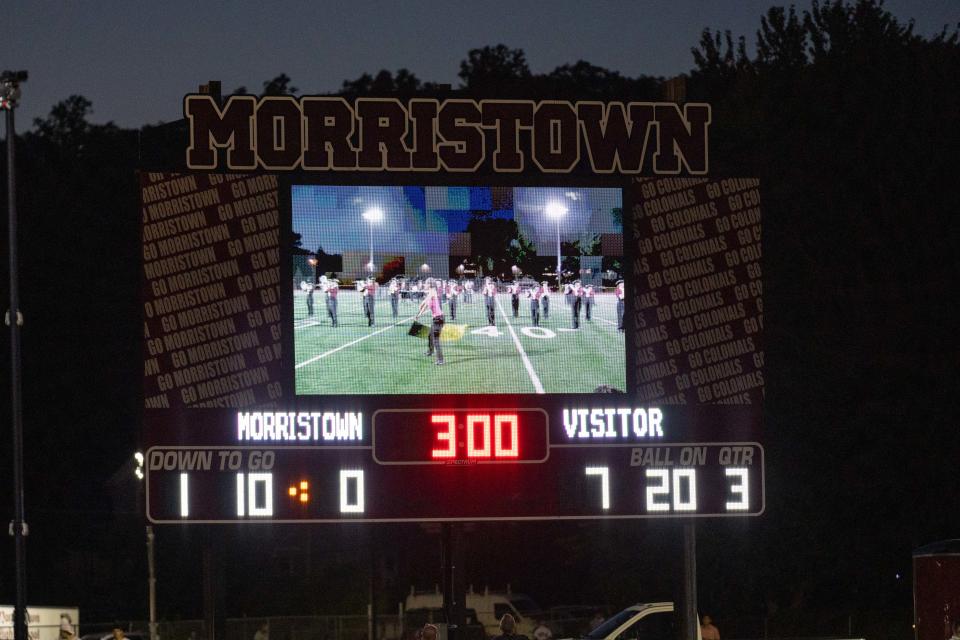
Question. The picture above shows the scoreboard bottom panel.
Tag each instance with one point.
(349, 484)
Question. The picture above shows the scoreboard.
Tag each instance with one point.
(495, 343)
(608, 460)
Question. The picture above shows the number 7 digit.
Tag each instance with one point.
(604, 473)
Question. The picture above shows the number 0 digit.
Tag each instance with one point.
(348, 476)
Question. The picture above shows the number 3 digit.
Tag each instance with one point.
(448, 436)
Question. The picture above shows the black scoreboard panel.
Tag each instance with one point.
(555, 461)
(258, 410)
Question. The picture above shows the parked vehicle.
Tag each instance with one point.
(43, 623)
(108, 635)
(573, 621)
(489, 606)
(647, 621)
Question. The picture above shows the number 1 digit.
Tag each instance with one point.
(184, 495)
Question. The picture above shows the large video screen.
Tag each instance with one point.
(457, 290)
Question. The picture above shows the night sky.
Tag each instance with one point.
(329, 216)
(134, 60)
(860, 265)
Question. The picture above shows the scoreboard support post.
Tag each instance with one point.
(214, 612)
(454, 590)
(447, 569)
(690, 619)
(373, 540)
(152, 584)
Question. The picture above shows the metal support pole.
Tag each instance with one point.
(454, 590)
(446, 559)
(213, 592)
(209, 591)
(152, 585)
(14, 320)
(558, 253)
(690, 620)
(374, 566)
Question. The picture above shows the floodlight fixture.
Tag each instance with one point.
(373, 214)
(10, 88)
(555, 210)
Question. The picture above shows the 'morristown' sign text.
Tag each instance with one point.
(323, 133)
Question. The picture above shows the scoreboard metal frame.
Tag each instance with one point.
(697, 425)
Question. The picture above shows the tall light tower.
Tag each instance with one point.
(556, 211)
(9, 97)
(373, 215)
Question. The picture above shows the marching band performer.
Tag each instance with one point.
(432, 302)
(307, 288)
(515, 297)
(330, 289)
(588, 300)
(545, 299)
(468, 292)
(535, 293)
(369, 300)
(568, 294)
(490, 299)
(453, 293)
(576, 299)
(619, 292)
(394, 291)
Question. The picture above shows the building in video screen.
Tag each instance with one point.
(367, 257)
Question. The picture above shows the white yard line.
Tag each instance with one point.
(352, 342)
(523, 354)
(605, 320)
(306, 323)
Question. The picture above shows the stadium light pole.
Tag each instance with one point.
(9, 97)
(556, 211)
(372, 215)
(151, 565)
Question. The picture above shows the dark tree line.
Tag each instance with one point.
(847, 116)
(849, 119)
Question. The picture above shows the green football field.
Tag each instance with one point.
(513, 357)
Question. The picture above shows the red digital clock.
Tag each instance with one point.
(460, 436)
